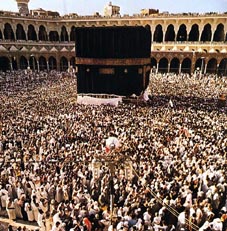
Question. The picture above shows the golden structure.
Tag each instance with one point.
(180, 42)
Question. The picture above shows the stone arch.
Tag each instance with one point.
(206, 33)
(174, 65)
(63, 63)
(42, 33)
(8, 32)
(163, 65)
(182, 33)
(219, 34)
(148, 27)
(14, 63)
(32, 35)
(73, 34)
(33, 63)
(158, 34)
(200, 65)
(170, 33)
(52, 63)
(20, 33)
(53, 36)
(72, 62)
(4, 63)
(194, 33)
(222, 68)
(23, 63)
(64, 34)
(153, 64)
(186, 65)
(42, 63)
(212, 66)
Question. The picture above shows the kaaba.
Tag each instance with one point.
(113, 60)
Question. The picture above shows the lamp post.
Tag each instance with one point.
(202, 66)
(114, 158)
(153, 70)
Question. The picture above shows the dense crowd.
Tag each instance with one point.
(176, 145)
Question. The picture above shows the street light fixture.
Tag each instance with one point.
(114, 158)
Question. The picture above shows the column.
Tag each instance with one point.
(38, 65)
(213, 29)
(33, 63)
(200, 31)
(28, 64)
(176, 32)
(48, 67)
(205, 69)
(168, 67)
(164, 35)
(216, 71)
(11, 65)
(180, 68)
(157, 67)
(152, 37)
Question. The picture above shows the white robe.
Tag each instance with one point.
(11, 211)
(41, 222)
(35, 210)
(3, 197)
(29, 211)
(18, 209)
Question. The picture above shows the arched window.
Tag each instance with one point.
(163, 65)
(42, 33)
(73, 34)
(194, 33)
(170, 33)
(52, 63)
(4, 64)
(212, 66)
(158, 34)
(219, 34)
(42, 63)
(174, 65)
(32, 35)
(64, 34)
(20, 33)
(206, 33)
(182, 33)
(8, 32)
(63, 64)
(53, 36)
(23, 63)
(186, 66)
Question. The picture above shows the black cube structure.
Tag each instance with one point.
(113, 60)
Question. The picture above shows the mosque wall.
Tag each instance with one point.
(180, 43)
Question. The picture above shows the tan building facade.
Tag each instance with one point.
(111, 10)
(180, 43)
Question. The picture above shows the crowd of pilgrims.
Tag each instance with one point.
(176, 144)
